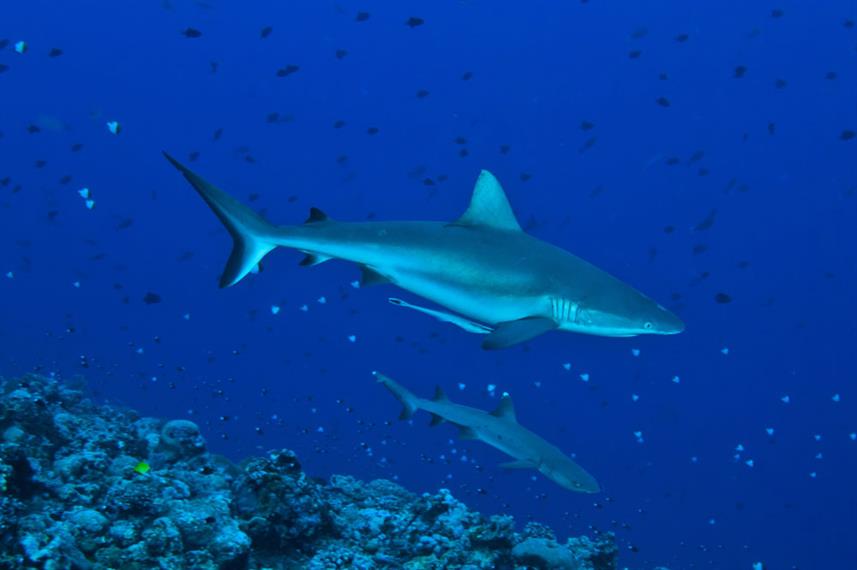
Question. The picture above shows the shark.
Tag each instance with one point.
(489, 276)
(499, 429)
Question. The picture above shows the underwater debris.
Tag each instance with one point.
(97, 487)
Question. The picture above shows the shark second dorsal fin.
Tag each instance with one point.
(505, 410)
(439, 395)
(489, 206)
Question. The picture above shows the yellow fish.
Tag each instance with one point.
(142, 468)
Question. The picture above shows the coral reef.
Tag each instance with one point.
(96, 487)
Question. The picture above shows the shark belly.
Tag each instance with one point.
(471, 300)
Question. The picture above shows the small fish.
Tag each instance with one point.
(191, 33)
(142, 468)
(361, 16)
(151, 298)
(266, 31)
(413, 22)
(663, 101)
(21, 47)
(114, 127)
(55, 52)
(288, 70)
(707, 222)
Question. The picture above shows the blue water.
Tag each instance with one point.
(765, 146)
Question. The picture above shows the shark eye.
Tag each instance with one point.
(647, 325)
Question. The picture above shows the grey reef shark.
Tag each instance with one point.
(499, 429)
(489, 275)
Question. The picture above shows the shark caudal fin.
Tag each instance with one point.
(408, 400)
(252, 236)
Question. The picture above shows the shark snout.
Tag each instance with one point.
(669, 323)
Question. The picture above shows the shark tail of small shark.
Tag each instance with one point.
(406, 397)
(252, 236)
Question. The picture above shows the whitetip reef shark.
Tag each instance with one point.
(499, 429)
(489, 274)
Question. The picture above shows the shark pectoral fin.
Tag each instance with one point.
(369, 276)
(313, 259)
(513, 332)
(521, 464)
(467, 433)
(436, 420)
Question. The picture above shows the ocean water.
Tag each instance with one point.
(702, 152)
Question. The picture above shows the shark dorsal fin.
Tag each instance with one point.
(439, 395)
(505, 410)
(315, 216)
(489, 206)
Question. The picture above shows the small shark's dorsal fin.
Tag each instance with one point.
(489, 206)
(439, 395)
(505, 410)
(316, 215)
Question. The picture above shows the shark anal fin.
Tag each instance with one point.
(510, 333)
(311, 259)
(369, 276)
(520, 464)
(316, 215)
(505, 409)
(489, 206)
(467, 433)
(436, 420)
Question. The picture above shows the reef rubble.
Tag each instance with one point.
(86, 486)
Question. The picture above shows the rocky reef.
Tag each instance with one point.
(96, 487)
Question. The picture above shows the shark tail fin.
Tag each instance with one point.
(252, 236)
(408, 400)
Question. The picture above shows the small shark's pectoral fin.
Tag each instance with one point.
(467, 433)
(457, 320)
(505, 409)
(521, 464)
(311, 259)
(436, 420)
(514, 332)
(369, 276)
